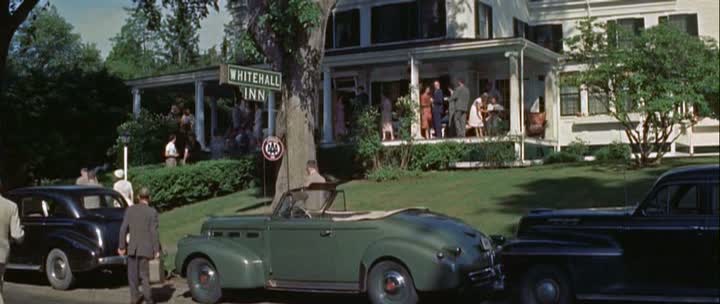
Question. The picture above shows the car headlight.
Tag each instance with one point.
(486, 243)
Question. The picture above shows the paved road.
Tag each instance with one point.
(26, 288)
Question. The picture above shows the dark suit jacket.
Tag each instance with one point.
(461, 99)
(141, 222)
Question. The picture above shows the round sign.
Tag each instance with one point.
(273, 148)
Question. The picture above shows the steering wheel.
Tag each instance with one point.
(297, 209)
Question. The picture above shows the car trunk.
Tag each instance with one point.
(109, 220)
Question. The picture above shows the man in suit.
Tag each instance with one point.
(460, 100)
(141, 222)
(10, 229)
(438, 100)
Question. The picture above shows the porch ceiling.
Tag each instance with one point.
(448, 51)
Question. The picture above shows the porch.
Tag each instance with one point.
(485, 65)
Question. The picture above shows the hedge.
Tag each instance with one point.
(182, 185)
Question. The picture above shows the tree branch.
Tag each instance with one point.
(21, 13)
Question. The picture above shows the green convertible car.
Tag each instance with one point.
(311, 243)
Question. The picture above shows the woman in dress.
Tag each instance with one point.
(426, 113)
(386, 116)
(475, 119)
(339, 118)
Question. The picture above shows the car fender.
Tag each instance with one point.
(420, 259)
(81, 251)
(594, 253)
(238, 266)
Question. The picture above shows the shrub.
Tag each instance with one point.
(389, 173)
(615, 152)
(369, 143)
(148, 135)
(178, 186)
(497, 154)
(561, 157)
(577, 147)
(438, 156)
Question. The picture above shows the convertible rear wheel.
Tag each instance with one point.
(391, 283)
(546, 285)
(57, 269)
(203, 281)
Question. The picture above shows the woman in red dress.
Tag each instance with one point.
(426, 113)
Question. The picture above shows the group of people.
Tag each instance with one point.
(485, 112)
(88, 177)
(247, 123)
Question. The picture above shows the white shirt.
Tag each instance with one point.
(170, 150)
(125, 189)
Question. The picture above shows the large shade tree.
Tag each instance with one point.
(290, 34)
(12, 14)
(652, 81)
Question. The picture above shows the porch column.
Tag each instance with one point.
(271, 113)
(200, 112)
(213, 116)
(327, 106)
(136, 102)
(551, 87)
(690, 132)
(415, 95)
(514, 101)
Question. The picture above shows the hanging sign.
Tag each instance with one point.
(250, 77)
(273, 148)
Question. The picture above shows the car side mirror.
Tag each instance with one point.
(498, 240)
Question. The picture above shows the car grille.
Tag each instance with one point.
(484, 276)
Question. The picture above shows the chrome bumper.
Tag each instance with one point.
(112, 260)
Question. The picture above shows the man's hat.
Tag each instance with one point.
(119, 173)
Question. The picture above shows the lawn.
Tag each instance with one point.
(491, 200)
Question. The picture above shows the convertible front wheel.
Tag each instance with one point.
(391, 283)
(203, 281)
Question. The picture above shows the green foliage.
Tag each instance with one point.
(561, 157)
(148, 135)
(47, 43)
(438, 156)
(136, 50)
(661, 66)
(577, 147)
(497, 154)
(178, 186)
(388, 173)
(291, 20)
(616, 152)
(367, 139)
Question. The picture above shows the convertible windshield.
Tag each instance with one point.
(302, 203)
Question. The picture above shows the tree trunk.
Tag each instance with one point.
(5, 39)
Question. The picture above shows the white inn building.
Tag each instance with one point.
(394, 45)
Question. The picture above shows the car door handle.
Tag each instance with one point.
(697, 228)
(326, 233)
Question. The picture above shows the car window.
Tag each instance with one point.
(97, 201)
(41, 207)
(657, 205)
(683, 199)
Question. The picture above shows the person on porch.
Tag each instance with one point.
(494, 110)
(386, 118)
(475, 120)
(460, 102)
(438, 99)
(339, 118)
(426, 115)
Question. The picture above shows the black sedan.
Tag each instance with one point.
(68, 230)
(665, 249)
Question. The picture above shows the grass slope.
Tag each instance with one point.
(491, 200)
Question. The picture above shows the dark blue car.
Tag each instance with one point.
(68, 230)
(665, 249)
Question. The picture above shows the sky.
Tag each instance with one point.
(99, 20)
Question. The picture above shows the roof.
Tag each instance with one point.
(692, 172)
(63, 188)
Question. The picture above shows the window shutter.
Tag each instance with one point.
(692, 24)
(612, 35)
(490, 21)
(557, 38)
